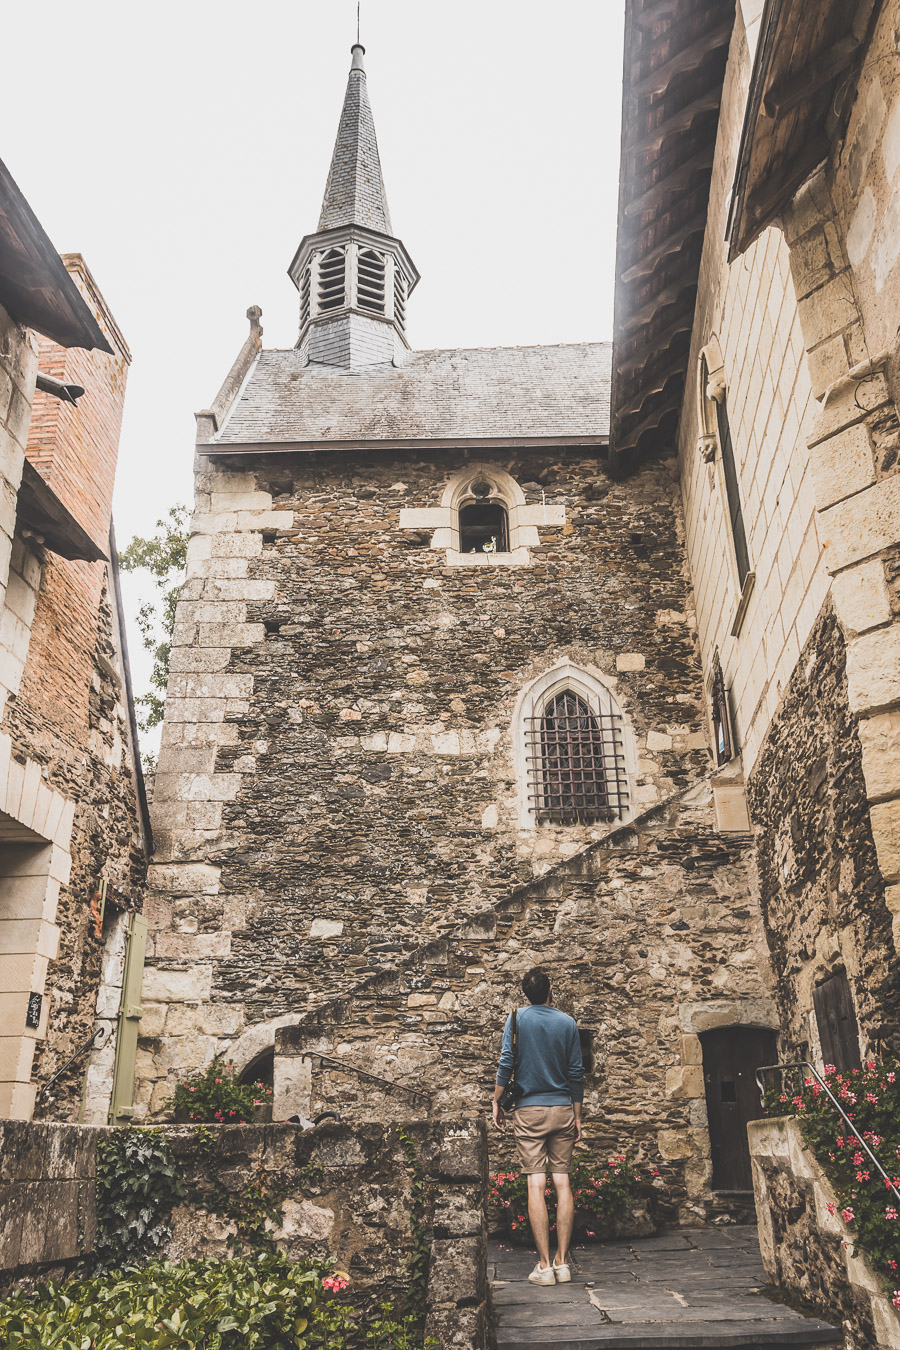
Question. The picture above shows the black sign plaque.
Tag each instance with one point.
(33, 1015)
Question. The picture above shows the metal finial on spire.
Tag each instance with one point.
(358, 8)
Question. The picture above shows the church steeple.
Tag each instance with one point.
(353, 274)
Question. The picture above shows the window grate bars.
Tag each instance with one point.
(576, 762)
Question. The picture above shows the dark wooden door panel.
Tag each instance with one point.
(836, 1020)
(731, 1056)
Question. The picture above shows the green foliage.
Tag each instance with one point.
(138, 1182)
(194, 1305)
(871, 1098)
(602, 1189)
(216, 1097)
(164, 556)
(386, 1333)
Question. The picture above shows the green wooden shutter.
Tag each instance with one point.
(121, 1109)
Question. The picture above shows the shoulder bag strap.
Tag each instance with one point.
(515, 1041)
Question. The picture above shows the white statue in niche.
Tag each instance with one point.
(489, 545)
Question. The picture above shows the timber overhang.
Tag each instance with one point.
(675, 57)
(802, 89)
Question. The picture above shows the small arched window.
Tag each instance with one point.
(576, 761)
(370, 283)
(332, 281)
(483, 528)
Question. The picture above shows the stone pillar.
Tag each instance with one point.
(854, 442)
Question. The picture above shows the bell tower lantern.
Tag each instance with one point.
(353, 274)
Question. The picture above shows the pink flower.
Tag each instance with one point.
(896, 1299)
(831, 1207)
(847, 1215)
(829, 1069)
(218, 1080)
(890, 1212)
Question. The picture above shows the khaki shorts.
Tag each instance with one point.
(545, 1137)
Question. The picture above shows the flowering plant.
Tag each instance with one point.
(215, 1096)
(868, 1207)
(602, 1190)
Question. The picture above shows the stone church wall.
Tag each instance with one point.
(339, 775)
(652, 937)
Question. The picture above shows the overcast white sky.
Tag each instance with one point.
(183, 149)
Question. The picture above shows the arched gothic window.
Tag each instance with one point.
(576, 760)
(370, 283)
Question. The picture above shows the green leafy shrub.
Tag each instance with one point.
(217, 1305)
(602, 1190)
(138, 1182)
(386, 1333)
(214, 1096)
(871, 1098)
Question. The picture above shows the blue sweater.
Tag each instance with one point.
(550, 1067)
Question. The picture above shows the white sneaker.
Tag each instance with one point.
(542, 1275)
(563, 1273)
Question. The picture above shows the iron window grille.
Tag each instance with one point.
(724, 736)
(576, 762)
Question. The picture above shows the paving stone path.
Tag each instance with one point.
(695, 1287)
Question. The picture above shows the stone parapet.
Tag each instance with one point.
(804, 1247)
(348, 1192)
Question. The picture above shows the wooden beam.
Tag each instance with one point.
(653, 12)
(658, 342)
(650, 423)
(672, 244)
(682, 120)
(689, 58)
(677, 178)
(662, 300)
(822, 68)
(764, 204)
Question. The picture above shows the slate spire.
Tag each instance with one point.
(354, 194)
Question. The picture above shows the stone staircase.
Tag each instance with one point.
(687, 1289)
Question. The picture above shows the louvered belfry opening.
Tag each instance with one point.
(370, 281)
(305, 297)
(332, 282)
(576, 762)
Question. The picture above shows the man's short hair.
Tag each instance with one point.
(536, 985)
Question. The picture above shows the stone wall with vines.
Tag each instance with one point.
(400, 1208)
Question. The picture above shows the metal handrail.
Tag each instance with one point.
(805, 1064)
(101, 1031)
(363, 1073)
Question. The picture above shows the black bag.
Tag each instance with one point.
(509, 1098)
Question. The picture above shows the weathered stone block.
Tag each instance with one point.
(880, 740)
(873, 670)
(684, 1081)
(177, 986)
(842, 465)
(630, 661)
(885, 818)
(861, 526)
(861, 597)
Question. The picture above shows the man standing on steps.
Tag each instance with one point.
(547, 1118)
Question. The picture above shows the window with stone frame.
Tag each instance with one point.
(576, 760)
(483, 527)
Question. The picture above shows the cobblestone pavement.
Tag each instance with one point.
(690, 1288)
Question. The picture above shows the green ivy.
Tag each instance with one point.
(386, 1333)
(138, 1183)
(251, 1210)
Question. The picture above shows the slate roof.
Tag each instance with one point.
(482, 394)
(354, 193)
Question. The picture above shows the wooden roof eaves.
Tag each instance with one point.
(661, 254)
(745, 224)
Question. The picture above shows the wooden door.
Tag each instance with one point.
(121, 1107)
(836, 1020)
(731, 1056)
